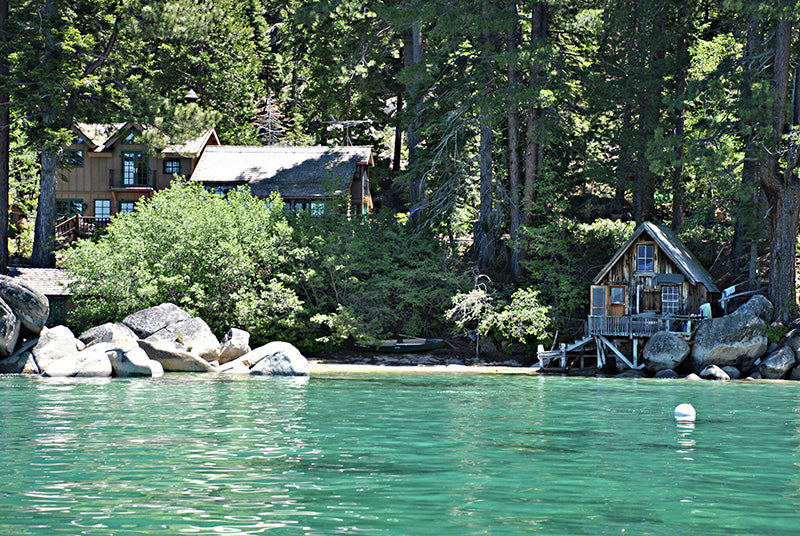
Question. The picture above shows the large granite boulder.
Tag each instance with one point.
(277, 359)
(117, 333)
(235, 344)
(666, 374)
(664, 351)
(736, 340)
(90, 363)
(192, 336)
(713, 372)
(128, 360)
(9, 329)
(54, 344)
(778, 364)
(758, 306)
(31, 307)
(148, 321)
(19, 363)
(237, 366)
(174, 359)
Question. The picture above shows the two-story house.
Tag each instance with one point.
(107, 169)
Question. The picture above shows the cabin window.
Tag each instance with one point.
(618, 295)
(644, 257)
(126, 207)
(134, 168)
(68, 207)
(172, 166)
(73, 158)
(130, 139)
(670, 299)
(317, 208)
(102, 209)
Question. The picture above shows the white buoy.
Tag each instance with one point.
(685, 412)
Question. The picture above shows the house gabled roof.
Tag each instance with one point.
(100, 137)
(675, 249)
(301, 172)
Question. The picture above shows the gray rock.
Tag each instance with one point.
(778, 364)
(174, 359)
(9, 329)
(235, 344)
(90, 363)
(632, 373)
(55, 344)
(666, 374)
(108, 332)
(31, 307)
(755, 375)
(277, 359)
(795, 374)
(732, 372)
(665, 350)
(234, 367)
(793, 342)
(736, 340)
(192, 335)
(758, 306)
(127, 361)
(148, 321)
(19, 363)
(693, 377)
(713, 372)
(156, 369)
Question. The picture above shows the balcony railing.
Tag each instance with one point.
(641, 325)
(136, 178)
(77, 225)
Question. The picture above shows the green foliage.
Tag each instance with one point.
(369, 277)
(521, 319)
(217, 258)
(776, 333)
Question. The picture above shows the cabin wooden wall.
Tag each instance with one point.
(642, 290)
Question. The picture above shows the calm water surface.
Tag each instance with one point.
(411, 454)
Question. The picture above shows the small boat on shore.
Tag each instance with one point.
(401, 345)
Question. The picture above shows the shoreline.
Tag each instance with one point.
(319, 368)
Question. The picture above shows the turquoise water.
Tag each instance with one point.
(411, 454)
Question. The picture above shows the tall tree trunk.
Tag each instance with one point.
(533, 131)
(648, 113)
(746, 223)
(398, 135)
(43, 254)
(513, 140)
(416, 187)
(782, 189)
(5, 149)
(484, 233)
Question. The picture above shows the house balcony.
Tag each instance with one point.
(131, 179)
(642, 326)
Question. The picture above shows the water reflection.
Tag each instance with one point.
(686, 442)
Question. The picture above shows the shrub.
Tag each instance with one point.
(217, 258)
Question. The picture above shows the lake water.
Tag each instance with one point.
(397, 454)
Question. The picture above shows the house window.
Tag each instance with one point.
(130, 139)
(172, 166)
(68, 207)
(73, 158)
(134, 168)
(126, 207)
(618, 295)
(670, 299)
(317, 208)
(644, 258)
(102, 209)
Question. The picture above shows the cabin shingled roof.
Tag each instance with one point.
(101, 136)
(675, 249)
(302, 172)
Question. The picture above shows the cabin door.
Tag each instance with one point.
(599, 300)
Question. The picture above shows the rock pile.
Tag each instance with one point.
(728, 348)
(150, 342)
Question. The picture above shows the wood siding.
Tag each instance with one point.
(643, 288)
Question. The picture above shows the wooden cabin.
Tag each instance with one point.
(107, 169)
(306, 177)
(652, 283)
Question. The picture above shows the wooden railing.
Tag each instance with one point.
(641, 325)
(77, 225)
(138, 178)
